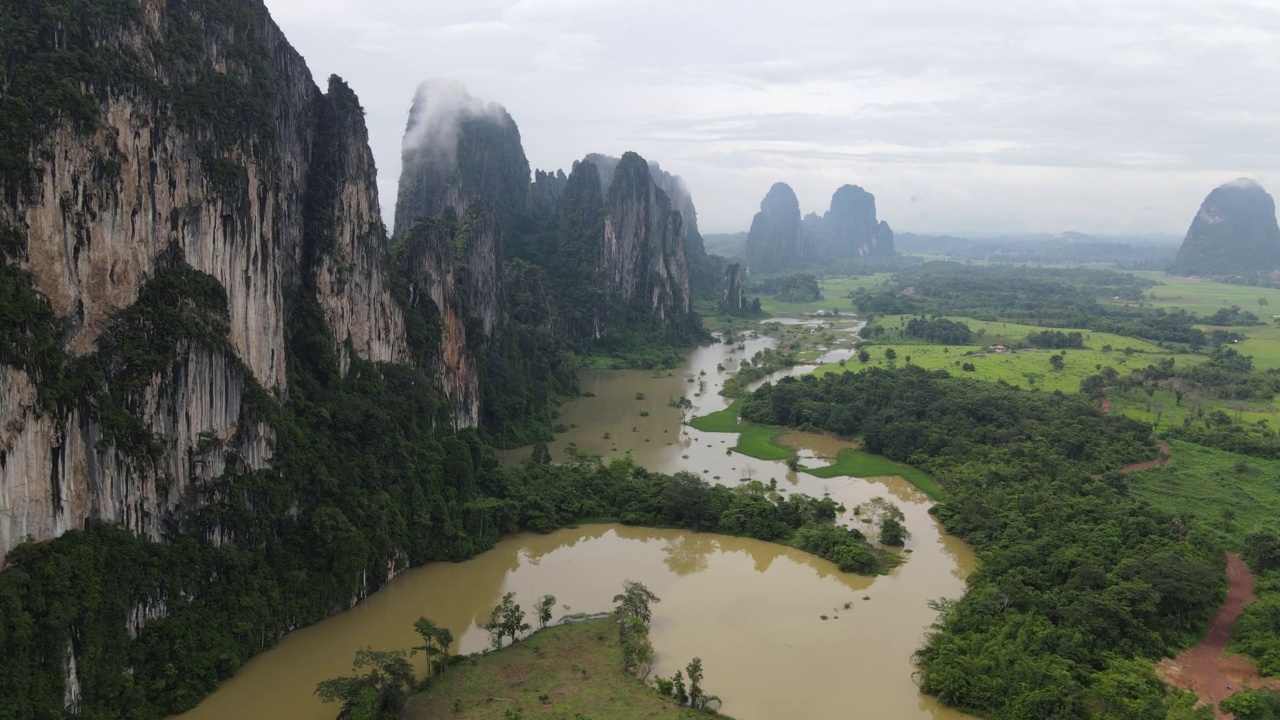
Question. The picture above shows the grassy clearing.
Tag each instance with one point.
(1161, 409)
(856, 463)
(568, 671)
(1209, 482)
(835, 293)
(1204, 297)
(1025, 369)
(761, 442)
(757, 441)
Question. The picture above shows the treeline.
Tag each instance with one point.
(939, 331)
(797, 288)
(1038, 296)
(1226, 376)
(1080, 585)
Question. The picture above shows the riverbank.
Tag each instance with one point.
(570, 670)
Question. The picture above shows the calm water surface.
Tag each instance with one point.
(751, 610)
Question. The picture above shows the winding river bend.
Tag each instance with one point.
(753, 611)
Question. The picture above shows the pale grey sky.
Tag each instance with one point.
(1103, 116)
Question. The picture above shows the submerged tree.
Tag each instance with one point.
(545, 605)
(506, 620)
(378, 693)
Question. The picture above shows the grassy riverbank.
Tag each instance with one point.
(569, 671)
(761, 442)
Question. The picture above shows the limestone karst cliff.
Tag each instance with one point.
(1234, 234)
(233, 161)
(456, 149)
(732, 300)
(774, 239)
(621, 251)
(456, 266)
(849, 229)
(780, 238)
(704, 270)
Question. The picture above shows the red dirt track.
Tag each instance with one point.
(1205, 669)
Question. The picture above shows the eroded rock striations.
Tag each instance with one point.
(1234, 234)
(269, 188)
(456, 266)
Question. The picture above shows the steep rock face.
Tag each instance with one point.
(548, 188)
(62, 473)
(1233, 234)
(644, 257)
(219, 171)
(732, 299)
(850, 228)
(704, 271)
(457, 149)
(350, 270)
(774, 239)
(458, 267)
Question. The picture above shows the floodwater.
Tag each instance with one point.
(751, 610)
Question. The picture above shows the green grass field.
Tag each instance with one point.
(835, 293)
(568, 671)
(761, 442)
(1205, 297)
(1208, 482)
(856, 463)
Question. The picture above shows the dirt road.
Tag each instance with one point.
(1205, 669)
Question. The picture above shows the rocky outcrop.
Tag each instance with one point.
(850, 228)
(704, 271)
(350, 272)
(231, 157)
(1233, 235)
(457, 267)
(457, 149)
(644, 259)
(60, 473)
(548, 188)
(774, 239)
(732, 299)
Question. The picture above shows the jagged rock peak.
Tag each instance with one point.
(346, 241)
(732, 300)
(1233, 234)
(457, 148)
(774, 239)
(644, 242)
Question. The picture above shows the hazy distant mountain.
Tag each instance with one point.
(1233, 234)
(729, 245)
(774, 239)
(1154, 251)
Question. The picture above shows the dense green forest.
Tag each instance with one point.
(365, 480)
(1077, 577)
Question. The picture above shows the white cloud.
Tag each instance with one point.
(1098, 116)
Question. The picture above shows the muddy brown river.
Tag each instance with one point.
(751, 610)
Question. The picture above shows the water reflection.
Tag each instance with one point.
(751, 610)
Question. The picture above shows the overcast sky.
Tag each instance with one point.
(1104, 116)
